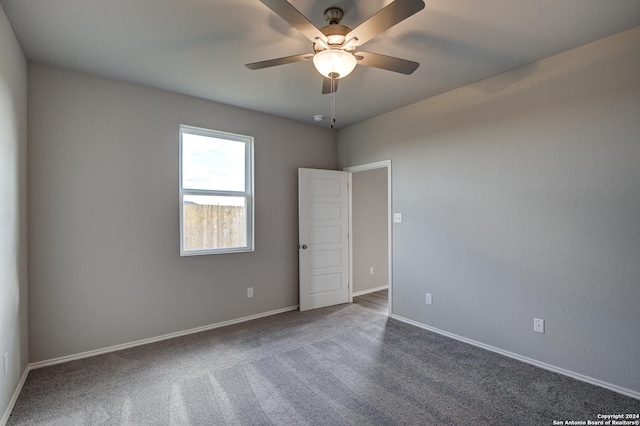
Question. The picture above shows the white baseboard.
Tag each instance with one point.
(14, 397)
(370, 290)
(115, 348)
(577, 376)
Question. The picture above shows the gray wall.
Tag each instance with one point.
(13, 211)
(521, 199)
(370, 229)
(103, 214)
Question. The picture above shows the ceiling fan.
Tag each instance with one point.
(335, 46)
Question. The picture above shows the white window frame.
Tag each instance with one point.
(248, 193)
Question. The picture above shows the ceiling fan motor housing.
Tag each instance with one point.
(334, 32)
(335, 37)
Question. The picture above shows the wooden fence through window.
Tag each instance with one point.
(210, 227)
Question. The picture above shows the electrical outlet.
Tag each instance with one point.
(250, 292)
(397, 218)
(427, 298)
(538, 325)
(371, 271)
(6, 362)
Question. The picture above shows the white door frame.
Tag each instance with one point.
(386, 164)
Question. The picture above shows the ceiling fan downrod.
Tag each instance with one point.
(333, 15)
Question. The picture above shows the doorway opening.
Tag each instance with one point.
(370, 249)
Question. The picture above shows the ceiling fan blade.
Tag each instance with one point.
(286, 11)
(386, 18)
(326, 85)
(389, 63)
(279, 61)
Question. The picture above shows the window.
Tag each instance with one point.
(216, 192)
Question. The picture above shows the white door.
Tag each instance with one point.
(323, 217)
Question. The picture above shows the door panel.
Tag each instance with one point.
(324, 211)
(324, 235)
(324, 283)
(323, 219)
(324, 259)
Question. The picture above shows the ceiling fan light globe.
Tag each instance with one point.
(334, 63)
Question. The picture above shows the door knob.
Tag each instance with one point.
(303, 247)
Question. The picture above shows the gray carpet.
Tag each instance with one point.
(344, 365)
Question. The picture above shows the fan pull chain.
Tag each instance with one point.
(333, 101)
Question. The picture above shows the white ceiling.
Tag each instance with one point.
(199, 47)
